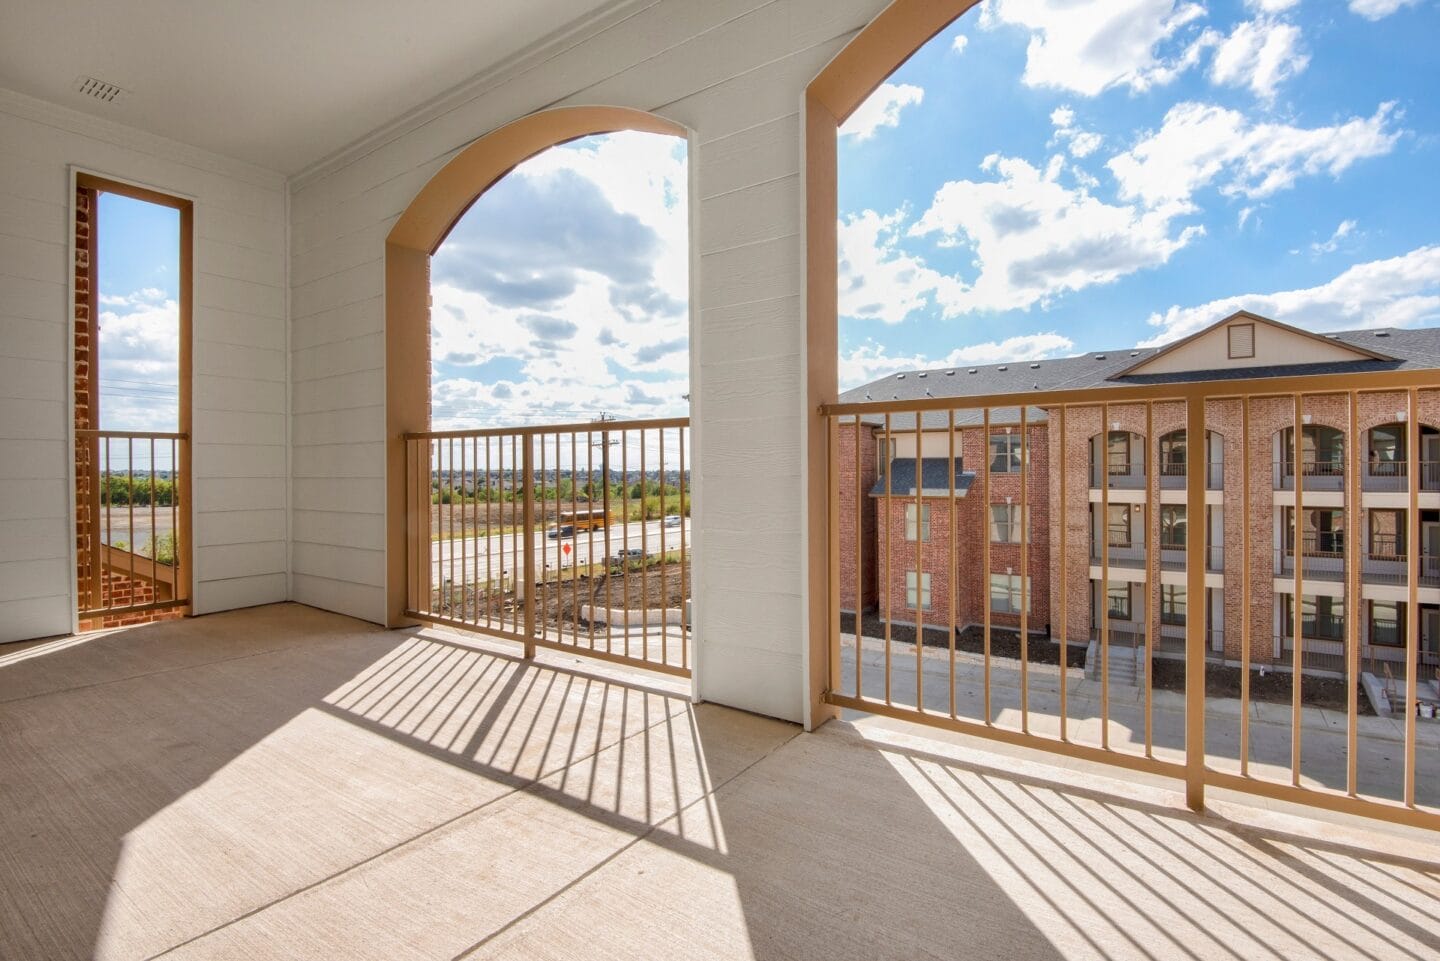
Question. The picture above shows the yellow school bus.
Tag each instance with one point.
(585, 518)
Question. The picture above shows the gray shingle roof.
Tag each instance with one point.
(934, 478)
(1412, 349)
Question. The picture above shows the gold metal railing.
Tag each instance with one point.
(574, 537)
(960, 665)
(133, 534)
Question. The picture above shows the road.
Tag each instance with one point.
(119, 528)
(478, 558)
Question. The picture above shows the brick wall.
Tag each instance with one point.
(86, 406)
(850, 567)
(971, 528)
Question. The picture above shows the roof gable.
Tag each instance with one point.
(1245, 340)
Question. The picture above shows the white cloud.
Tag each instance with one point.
(582, 350)
(1082, 143)
(1259, 54)
(140, 352)
(881, 109)
(1090, 47)
(870, 362)
(1201, 143)
(879, 280)
(960, 43)
(1345, 229)
(1379, 9)
(1402, 291)
(1271, 6)
(1035, 238)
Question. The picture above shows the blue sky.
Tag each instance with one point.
(1048, 177)
(139, 261)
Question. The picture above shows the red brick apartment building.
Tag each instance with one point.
(1125, 488)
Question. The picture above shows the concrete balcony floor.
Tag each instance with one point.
(286, 783)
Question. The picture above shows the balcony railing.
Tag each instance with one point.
(1395, 476)
(1172, 475)
(1320, 475)
(985, 690)
(1389, 563)
(1129, 475)
(571, 537)
(1121, 555)
(1322, 559)
(1173, 558)
(133, 533)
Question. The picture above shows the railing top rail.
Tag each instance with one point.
(1311, 385)
(585, 427)
(131, 434)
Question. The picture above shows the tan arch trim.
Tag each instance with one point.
(423, 226)
(446, 196)
(878, 51)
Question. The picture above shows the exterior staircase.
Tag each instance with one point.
(1126, 664)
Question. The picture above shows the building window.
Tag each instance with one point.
(910, 522)
(1387, 534)
(1005, 524)
(1324, 531)
(910, 579)
(1008, 593)
(1322, 617)
(1005, 453)
(1118, 599)
(1241, 340)
(1119, 525)
(1172, 527)
(1172, 604)
(1172, 454)
(882, 456)
(1387, 623)
(1117, 452)
(1387, 451)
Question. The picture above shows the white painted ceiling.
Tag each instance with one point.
(279, 83)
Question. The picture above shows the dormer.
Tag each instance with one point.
(1245, 340)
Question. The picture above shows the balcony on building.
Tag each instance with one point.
(1175, 459)
(1387, 561)
(1387, 462)
(1322, 559)
(1122, 461)
(1321, 463)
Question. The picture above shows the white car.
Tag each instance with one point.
(672, 520)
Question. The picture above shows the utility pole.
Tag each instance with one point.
(604, 445)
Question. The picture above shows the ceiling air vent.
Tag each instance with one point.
(99, 89)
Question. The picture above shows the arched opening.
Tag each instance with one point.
(416, 236)
(1322, 458)
(1175, 456)
(1117, 460)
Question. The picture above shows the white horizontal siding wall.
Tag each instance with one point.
(239, 393)
(734, 72)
